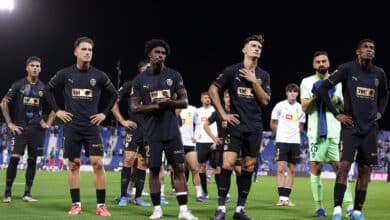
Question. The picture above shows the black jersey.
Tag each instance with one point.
(365, 93)
(81, 90)
(162, 124)
(124, 92)
(221, 124)
(242, 96)
(27, 98)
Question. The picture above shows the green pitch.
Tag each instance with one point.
(51, 189)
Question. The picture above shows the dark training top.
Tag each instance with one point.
(124, 91)
(81, 90)
(365, 93)
(28, 99)
(242, 96)
(160, 125)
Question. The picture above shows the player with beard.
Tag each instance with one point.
(323, 129)
(366, 95)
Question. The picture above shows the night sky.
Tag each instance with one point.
(204, 37)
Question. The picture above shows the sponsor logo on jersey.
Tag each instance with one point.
(31, 101)
(363, 92)
(245, 92)
(82, 93)
(159, 94)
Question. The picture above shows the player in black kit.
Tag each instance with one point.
(82, 85)
(365, 98)
(249, 90)
(134, 143)
(156, 93)
(27, 126)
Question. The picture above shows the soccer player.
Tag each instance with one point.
(219, 141)
(189, 120)
(323, 130)
(366, 95)
(27, 127)
(157, 93)
(82, 84)
(249, 90)
(133, 143)
(203, 141)
(287, 121)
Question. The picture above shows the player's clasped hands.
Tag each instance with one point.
(248, 75)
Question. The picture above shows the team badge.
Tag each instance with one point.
(40, 93)
(92, 82)
(169, 82)
(376, 81)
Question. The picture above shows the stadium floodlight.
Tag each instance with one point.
(6, 5)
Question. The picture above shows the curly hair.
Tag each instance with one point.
(151, 44)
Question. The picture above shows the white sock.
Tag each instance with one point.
(337, 209)
(129, 188)
(283, 198)
(157, 208)
(239, 208)
(198, 190)
(222, 208)
(162, 190)
(228, 195)
(77, 203)
(183, 208)
(100, 205)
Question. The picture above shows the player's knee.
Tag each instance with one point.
(74, 164)
(178, 168)
(97, 165)
(129, 161)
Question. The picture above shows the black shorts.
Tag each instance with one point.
(188, 149)
(74, 138)
(216, 158)
(135, 144)
(204, 151)
(33, 138)
(173, 150)
(288, 152)
(248, 143)
(364, 146)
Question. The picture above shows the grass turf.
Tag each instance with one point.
(51, 189)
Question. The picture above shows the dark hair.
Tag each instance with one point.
(32, 59)
(150, 45)
(253, 37)
(319, 53)
(292, 87)
(204, 93)
(364, 41)
(82, 40)
(142, 63)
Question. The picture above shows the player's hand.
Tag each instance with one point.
(15, 130)
(129, 124)
(213, 146)
(97, 118)
(44, 124)
(193, 139)
(378, 116)
(164, 103)
(249, 75)
(345, 119)
(231, 118)
(64, 115)
(218, 140)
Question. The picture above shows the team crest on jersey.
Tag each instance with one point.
(260, 81)
(40, 93)
(92, 82)
(376, 81)
(169, 82)
(21, 91)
